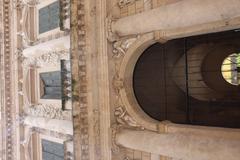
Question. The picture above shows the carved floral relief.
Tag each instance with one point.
(48, 111)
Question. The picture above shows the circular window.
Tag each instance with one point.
(231, 69)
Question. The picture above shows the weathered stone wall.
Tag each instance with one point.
(102, 64)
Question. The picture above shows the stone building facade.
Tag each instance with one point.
(107, 39)
(37, 116)
(102, 117)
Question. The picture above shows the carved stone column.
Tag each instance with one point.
(186, 17)
(187, 146)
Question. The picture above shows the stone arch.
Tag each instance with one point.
(126, 69)
(126, 74)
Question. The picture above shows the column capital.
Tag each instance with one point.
(111, 35)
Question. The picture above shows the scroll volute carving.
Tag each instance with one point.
(121, 46)
(124, 119)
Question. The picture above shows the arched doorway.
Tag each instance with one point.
(182, 81)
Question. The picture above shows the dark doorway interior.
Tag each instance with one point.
(170, 84)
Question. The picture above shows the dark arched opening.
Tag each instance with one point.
(182, 81)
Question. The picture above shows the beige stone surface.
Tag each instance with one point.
(106, 39)
(60, 126)
(181, 145)
(177, 15)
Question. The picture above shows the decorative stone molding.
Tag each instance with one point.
(96, 127)
(126, 158)
(124, 119)
(123, 3)
(115, 129)
(20, 118)
(68, 149)
(48, 111)
(121, 46)
(163, 126)
(122, 81)
(19, 4)
(111, 36)
(25, 143)
(119, 50)
(24, 7)
(8, 124)
(40, 40)
(50, 133)
(52, 58)
(25, 39)
(80, 75)
(65, 15)
(20, 55)
(160, 36)
(117, 83)
(22, 3)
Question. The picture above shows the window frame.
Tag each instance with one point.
(57, 144)
(58, 102)
(48, 138)
(45, 3)
(43, 95)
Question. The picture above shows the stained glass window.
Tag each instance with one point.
(231, 69)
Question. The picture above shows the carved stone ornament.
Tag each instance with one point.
(48, 111)
(21, 3)
(117, 83)
(126, 158)
(19, 54)
(25, 143)
(111, 36)
(120, 47)
(25, 39)
(115, 129)
(123, 3)
(52, 58)
(20, 118)
(124, 119)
